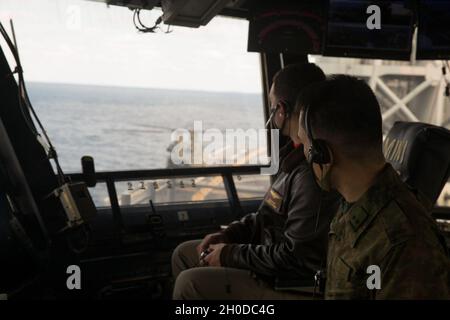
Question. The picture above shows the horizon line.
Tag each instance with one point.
(141, 87)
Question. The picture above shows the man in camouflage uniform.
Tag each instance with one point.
(383, 244)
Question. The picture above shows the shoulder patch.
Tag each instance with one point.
(273, 199)
(396, 223)
(358, 217)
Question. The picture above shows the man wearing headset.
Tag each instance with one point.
(284, 243)
(383, 242)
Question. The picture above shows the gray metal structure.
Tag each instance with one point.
(406, 91)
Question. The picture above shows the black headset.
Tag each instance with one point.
(320, 154)
(318, 151)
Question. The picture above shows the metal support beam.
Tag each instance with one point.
(232, 194)
(397, 100)
(440, 103)
(402, 103)
(115, 207)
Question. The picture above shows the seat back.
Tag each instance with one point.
(420, 153)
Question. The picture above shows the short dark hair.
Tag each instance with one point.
(289, 81)
(344, 111)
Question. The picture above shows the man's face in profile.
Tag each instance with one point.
(279, 112)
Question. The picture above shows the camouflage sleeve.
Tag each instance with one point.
(414, 270)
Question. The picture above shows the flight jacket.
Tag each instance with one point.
(281, 241)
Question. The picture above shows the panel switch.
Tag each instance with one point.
(183, 216)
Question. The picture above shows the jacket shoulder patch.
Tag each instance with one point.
(358, 217)
(273, 199)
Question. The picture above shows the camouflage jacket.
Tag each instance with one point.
(388, 228)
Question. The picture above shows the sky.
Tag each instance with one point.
(84, 42)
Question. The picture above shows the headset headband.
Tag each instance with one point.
(318, 151)
(307, 125)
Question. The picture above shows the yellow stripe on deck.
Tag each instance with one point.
(203, 192)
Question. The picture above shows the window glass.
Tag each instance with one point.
(100, 195)
(251, 186)
(444, 198)
(172, 190)
(103, 89)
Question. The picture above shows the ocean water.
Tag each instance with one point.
(130, 128)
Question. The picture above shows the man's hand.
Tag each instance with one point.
(213, 258)
(212, 238)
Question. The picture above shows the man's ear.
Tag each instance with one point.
(281, 111)
(281, 107)
(284, 109)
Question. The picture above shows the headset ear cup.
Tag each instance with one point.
(286, 107)
(310, 156)
(319, 152)
(314, 156)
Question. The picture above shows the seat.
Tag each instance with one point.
(420, 153)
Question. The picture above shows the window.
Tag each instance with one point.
(182, 190)
(444, 198)
(100, 195)
(250, 186)
(173, 190)
(105, 90)
(402, 88)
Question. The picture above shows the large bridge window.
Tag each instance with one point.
(105, 90)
